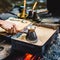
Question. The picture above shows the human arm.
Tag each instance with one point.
(8, 26)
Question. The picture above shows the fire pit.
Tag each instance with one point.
(40, 46)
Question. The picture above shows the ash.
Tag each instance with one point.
(54, 52)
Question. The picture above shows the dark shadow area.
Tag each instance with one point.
(53, 7)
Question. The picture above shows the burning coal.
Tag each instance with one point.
(28, 56)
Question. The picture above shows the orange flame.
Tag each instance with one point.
(28, 56)
(31, 57)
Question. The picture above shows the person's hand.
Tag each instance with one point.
(9, 27)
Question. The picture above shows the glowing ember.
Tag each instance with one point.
(28, 56)
(31, 57)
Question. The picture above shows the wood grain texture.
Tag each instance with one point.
(20, 23)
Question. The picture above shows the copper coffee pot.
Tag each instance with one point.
(31, 34)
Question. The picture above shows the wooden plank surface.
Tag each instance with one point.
(2, 30)
(43, 35)
(21, 24)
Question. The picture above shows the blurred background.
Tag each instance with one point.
(6, 5)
